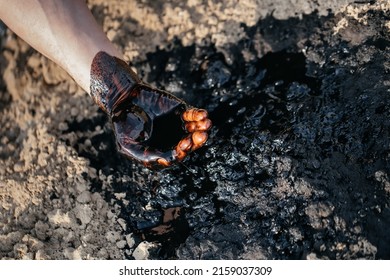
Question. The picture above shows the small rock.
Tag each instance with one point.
(311, 256)
(103, 254)
(32, 242)
(74, 111)
(34, 61)
(81, 185)
(72, 254)
(84, 213)
(20, 250)
(42, 159)
(63, 126)
(41, 230)
(4, 140)
(121, 244)
(122, 223)
(111, 34)
(18, 167)
(41, 255)
(57, 217)
(130, 240)
(112, 236)
(142, 250)
(84, 197)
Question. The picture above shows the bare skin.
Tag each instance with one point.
(66, 32)
(63, 30)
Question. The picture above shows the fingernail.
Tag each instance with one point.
(195, 115)
(198, 138)
(200, 114)
(185, 144)
(204, 125)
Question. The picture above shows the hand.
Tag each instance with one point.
(150, 125)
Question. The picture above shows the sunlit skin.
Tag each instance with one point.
(66, 32)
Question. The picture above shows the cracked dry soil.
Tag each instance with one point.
(297, 165)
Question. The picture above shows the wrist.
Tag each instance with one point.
(112, 81)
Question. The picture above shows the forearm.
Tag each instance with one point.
(62, 30)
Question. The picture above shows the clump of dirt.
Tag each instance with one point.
(296, 166)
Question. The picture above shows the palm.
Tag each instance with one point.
(157, 128)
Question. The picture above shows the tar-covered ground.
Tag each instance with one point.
(297, 165)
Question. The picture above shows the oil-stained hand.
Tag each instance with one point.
(150, 125)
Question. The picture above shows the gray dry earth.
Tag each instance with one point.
(297, 166)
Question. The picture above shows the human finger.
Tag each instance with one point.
(202, 125)
(194, 114)
(198, 139)
(183, 148)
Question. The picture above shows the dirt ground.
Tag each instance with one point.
(297, 165)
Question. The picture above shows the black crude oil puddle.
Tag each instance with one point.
(260, 96)
(281, 79)
(243, 99)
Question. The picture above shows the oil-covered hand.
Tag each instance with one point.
(150, 125)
